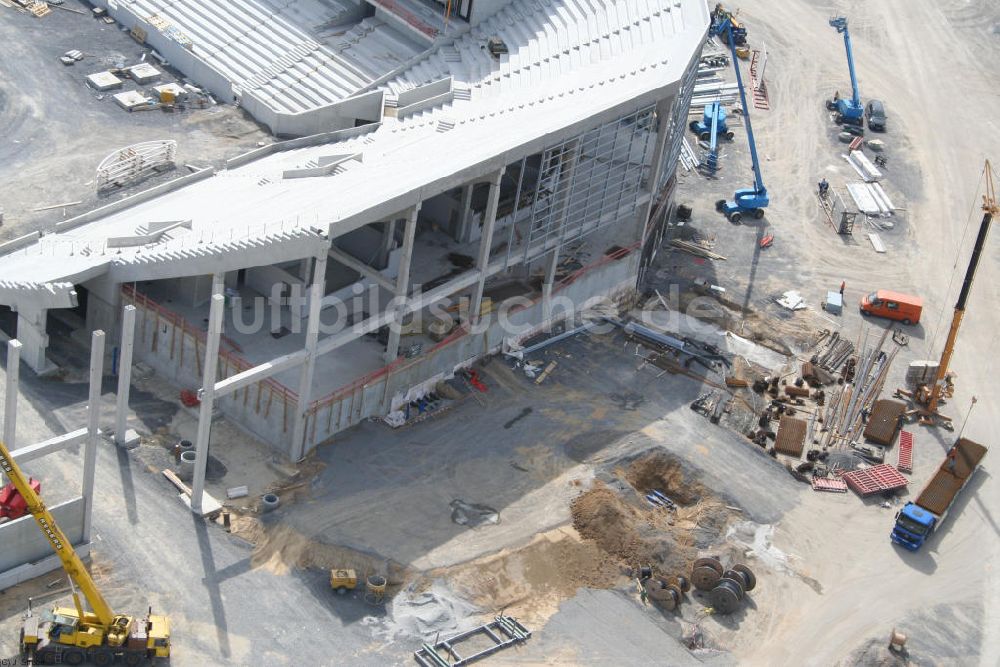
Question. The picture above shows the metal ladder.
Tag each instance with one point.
(504, 630)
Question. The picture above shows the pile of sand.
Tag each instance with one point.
(530, 582)
(281, 548)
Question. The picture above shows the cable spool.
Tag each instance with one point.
(705, 573)
(751, 579)
(726, 596)
(682, 582)
(664, 594)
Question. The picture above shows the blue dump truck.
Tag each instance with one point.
(918, 519)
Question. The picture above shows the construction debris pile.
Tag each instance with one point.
(624, 523)
(832, 413)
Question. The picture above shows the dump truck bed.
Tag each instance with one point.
(945, 485)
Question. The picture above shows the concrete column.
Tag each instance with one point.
(388, 241)
(402, 281)
(93, 429)
(122, 438)
(31, 332)
(316, 294)
(10, 398)
(207, 400)
(485, 243)
(465, 214)
(551, 262)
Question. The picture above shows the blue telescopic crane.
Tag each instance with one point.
(746, 201)
(848, 111)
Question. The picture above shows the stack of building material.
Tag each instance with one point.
(921, 372)
(876, 479)
(871, 199)
(865, 167)
(791, 436)
(791, 300)
(883, 422)
(833, 484)
(836, 351)
(695, 249)
(843, 413)
(688, 159)
(904, 461)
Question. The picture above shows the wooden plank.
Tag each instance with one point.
(176, 481)
(876, 242)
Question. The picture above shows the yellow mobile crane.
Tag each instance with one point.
(71, 636)
(927, 397)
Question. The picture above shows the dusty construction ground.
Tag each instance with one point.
(56, 130)
(831, 586)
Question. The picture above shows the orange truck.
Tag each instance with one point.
(904, 308)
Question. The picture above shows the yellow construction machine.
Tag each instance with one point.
(70, 635)
(928, 396)
(343, 580)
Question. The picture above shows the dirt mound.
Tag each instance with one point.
(631, 535)
(531, 581)
(280, 549)
(662, 472)
(623, 525)
(600, 515)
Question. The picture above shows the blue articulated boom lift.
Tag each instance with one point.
(711, 126)
(746, 201)
(849, 111)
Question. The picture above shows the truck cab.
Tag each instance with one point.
(913, 525)
(904, 308)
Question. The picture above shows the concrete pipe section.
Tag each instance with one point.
(186, 469)
(269, 502)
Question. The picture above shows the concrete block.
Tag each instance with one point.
(130, 100)
(23, 543)
(209, 505)
(131, 439)
(143, 73)
(104, 81)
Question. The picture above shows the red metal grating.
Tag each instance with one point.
(905, 461)
(882, 477)
(829, 484)
(759, 90)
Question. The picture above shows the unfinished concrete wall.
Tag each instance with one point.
(366, 107)
(25, 548)
(373, 394)
(175, 349)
